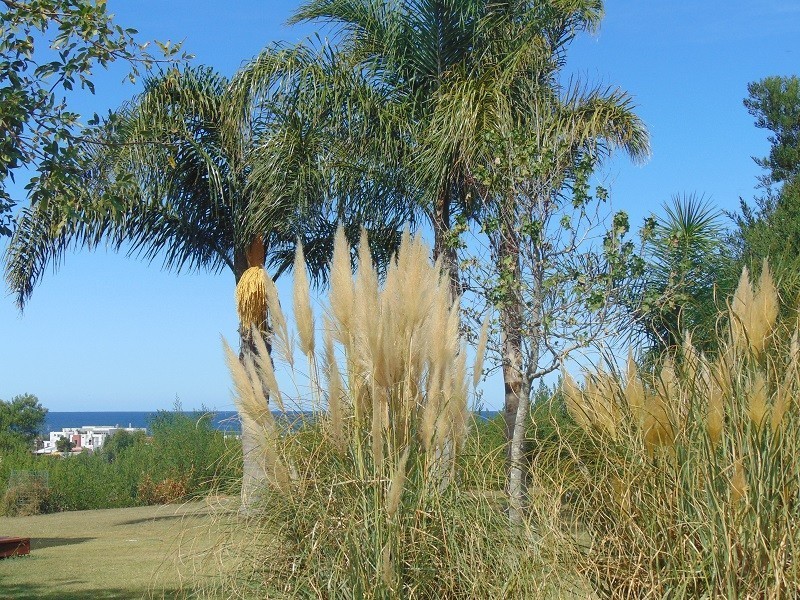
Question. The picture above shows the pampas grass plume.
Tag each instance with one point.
(767, 298)
(341, 292)
(573, 398)
(264, 361)
(740, 308)
(285, 345)
(715, 419)
(335, 390)
(303, 314)
(738, 481)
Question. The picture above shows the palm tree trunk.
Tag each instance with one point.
(253, 472)
(442, 243)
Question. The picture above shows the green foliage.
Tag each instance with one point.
(117, 444)
(775, 103)
(185, 457)
(28, 493)
(685, 255)
(21, 420)
(770, 229)
(64, 445)
(186, 446)
(48, 48)
(184, 171)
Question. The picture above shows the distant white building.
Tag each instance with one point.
(88, 437)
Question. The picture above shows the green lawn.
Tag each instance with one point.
(125, 554)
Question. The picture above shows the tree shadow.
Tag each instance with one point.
(153, 519)
(193, 514)
(38, 543)
(38, 592)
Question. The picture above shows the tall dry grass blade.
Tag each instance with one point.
(335, 390)
(757, 399)
(398, 481)
(263, 360)
(789, 386)
(282, 341)
(304, 316)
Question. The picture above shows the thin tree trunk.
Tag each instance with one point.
(516, 409)
(511, 319)
(517, 485)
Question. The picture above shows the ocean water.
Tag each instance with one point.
(222, 420)
(56, 421)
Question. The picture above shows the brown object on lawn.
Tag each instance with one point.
(14, 546)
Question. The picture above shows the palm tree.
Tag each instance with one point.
(470, 76)
(409, 49)
(684, 262)
(508, 105)
(206, 173)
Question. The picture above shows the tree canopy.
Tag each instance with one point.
(770, 228)
(775, 104)
(47, 49)
(21, 420)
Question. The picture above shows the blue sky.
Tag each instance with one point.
(106, 332)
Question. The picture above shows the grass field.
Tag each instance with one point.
(119, 554)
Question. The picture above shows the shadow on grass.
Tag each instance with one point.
(39, 592)
(152, 520)
(186, 515)
(39, 543)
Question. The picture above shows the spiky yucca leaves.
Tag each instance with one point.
(364, 498)
(687, 480)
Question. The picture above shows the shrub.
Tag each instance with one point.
(184, 458)
(685, 482)
(27, 494)
(171, 489)
(368, 499)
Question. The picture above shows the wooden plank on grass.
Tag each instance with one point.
(14, 546)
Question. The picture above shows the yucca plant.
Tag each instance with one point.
(365, 499)
(684, 482)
